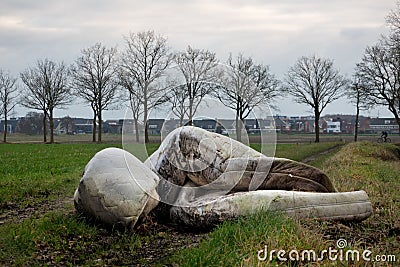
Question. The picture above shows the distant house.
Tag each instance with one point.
(378, 125)
(113, 126)
(228, 125)
(282, 124)
(252, 126)
(206, 124)
(83, 126)
(11, 125)
(333, 127)
(348, 122)
(304, 124)
(154, 126)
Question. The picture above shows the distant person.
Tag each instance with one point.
(384, 135)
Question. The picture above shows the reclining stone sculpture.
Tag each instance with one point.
(204, 178)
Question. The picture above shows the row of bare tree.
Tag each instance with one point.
(148, 74)
(376, 80)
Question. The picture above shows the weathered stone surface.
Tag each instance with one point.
(116, 188)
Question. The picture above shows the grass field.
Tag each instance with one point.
(357, 166)
(38, 225)
(281, 138)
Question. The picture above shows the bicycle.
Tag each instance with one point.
(382, 140)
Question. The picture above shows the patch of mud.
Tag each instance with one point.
(11, 212)
(151, 241)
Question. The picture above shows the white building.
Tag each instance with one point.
(333, 127)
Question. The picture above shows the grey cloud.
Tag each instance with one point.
(273, 32)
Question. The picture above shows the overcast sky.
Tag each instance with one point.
(276, 33)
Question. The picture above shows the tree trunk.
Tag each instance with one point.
(397, 117)
(238, 129)
(5, 126)
(146, 133)
(99, 115)
(94, 128)
(393, 110)
(190, 122)
(356, 124)
(51, 126)
(145, 114)
(181, 121)
(44, 126)
(137, 129)
(238, 124)
(317, 115)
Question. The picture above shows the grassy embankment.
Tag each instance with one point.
(367, 166)
(34, 175)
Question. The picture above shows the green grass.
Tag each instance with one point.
(371, 167)
(64, 240)
(374, 168)
(236, 243)
(33, 173)
(299, 152)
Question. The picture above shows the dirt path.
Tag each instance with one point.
(316, 156)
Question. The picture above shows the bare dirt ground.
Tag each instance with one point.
(158, 239)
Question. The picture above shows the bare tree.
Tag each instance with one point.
(46, 89)
(134, 97)
(380, 70)
(393, 18)
(94, 78)
(199, 70)
(315, 82)
(245, 86)
(8, 98)
(145, 60)
(360, 98)
(380, 67)
(178, 98)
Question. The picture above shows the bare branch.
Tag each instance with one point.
(379, 71)
(8, 98)
(198, 68)
(94, 79)
(314, 81)
(46, 88)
